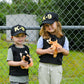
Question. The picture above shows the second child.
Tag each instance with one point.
(17, 75)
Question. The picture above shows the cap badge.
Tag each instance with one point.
(16, 28)
(49, 16)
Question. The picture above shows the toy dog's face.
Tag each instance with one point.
(26, 56)
(52, 42)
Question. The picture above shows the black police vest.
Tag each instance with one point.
(48, 58)
(17, 71)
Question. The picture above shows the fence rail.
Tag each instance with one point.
(38, 28)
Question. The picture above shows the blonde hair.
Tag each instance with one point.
(58, 31)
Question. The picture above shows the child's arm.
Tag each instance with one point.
(41, 51)
(18, 63)
(62, 50)
(65, 52)
(65, 48)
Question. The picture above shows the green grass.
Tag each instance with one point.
(73, 66)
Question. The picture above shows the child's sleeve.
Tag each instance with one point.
(66, 44)
(40, 43)
(10, 55)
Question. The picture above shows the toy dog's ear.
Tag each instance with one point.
(49, 40)
(26, 52)
(21, 55)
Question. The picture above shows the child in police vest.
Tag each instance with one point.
(50, 68)
(18, 75)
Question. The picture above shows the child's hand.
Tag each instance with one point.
(62, 50)
(59, 49)
(50, 50)
(23, 63)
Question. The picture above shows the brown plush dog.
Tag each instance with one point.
(54, 46)
(26, 58)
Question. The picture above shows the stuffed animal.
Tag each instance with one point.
(54, 46)
(25, 57)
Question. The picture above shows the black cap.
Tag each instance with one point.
(49, 18)
(17, 29)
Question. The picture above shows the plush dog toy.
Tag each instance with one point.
(25, 57)
(54, 46)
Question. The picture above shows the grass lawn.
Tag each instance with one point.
(73, 66)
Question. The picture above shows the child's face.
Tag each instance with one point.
(51, 28)
(19, 39)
